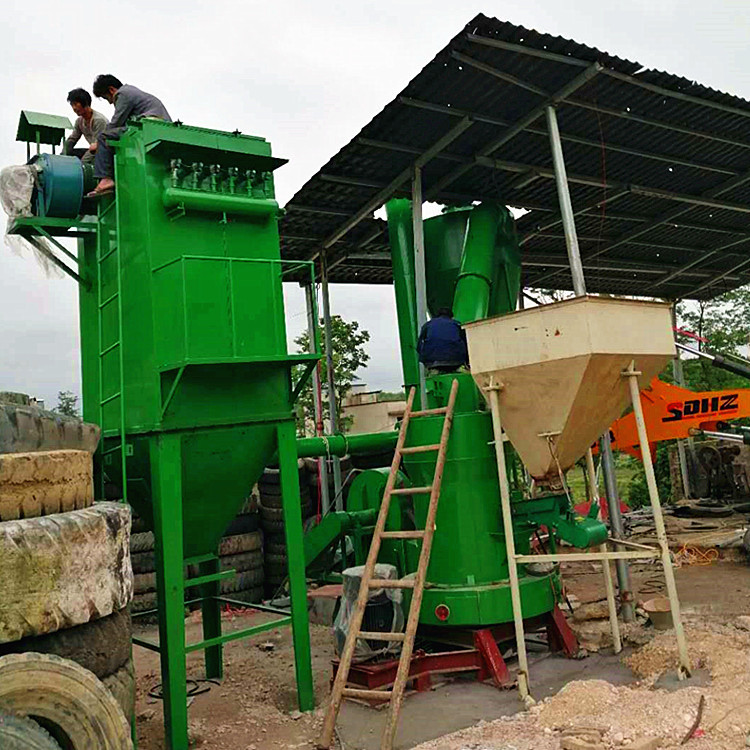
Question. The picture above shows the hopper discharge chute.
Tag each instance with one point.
(560, 368)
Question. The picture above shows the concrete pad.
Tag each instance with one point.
(463, 702)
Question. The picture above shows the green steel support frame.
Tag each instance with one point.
(185, 367)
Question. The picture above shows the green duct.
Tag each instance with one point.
(401, 237)
(489, 278)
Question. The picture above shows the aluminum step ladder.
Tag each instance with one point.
(417, 583)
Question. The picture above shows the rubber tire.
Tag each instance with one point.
(243, 524)
(251, 596)
(45, 482)
(138, 525)
(271, 476)
(65, 694)
(144, 582)
(20, 733)
(233, 545)
(101, 646)
(243, 581)
(142, 542)
(145, 562)
(272, 500)
(275, 544)
(143, 602)
(64, 570)
(242, 562)
(122, 686)
(276, 515)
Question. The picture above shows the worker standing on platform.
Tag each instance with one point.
(130, 103)
(442, 343)
(89, 124)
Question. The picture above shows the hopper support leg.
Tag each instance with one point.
(661, 533)
(211, 617)
(166, 463)
(515, 591)
(290, 499)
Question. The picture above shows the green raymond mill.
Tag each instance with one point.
(184, 357)
(473, 266)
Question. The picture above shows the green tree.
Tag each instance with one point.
(67, 404)
(349, 355)
(725, 324)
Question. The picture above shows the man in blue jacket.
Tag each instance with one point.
(442, 343)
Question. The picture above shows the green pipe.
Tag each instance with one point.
(199, 200)
(343, 445)
(471, 300)
(400, 233)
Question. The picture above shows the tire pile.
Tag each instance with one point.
(65, 586)
(272, 523)
(241, 549)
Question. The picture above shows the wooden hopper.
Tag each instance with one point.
(560, 369)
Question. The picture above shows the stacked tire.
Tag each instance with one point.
(241, 549)
(272, 523)
(65, 577)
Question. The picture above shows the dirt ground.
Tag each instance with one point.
(254, 707)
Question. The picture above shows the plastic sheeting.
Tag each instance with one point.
(384, 612)
(16, 194)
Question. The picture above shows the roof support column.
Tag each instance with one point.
(338, 499)
(420, 274)
(325, 500)
(566, 207)
(579, 286)
(679, 378)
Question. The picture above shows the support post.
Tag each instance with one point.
(325, 500)
(616, 527)
(566, 207)
(332, 401)
(679, 379)
(606, 569)
(420, 275)
(211, 618)
(166, 467)
(515, 591)
(661, 533)
(290, 501)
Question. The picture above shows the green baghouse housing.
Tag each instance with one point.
(184, 360)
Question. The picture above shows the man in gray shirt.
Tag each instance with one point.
(130, 103)
(89, 124)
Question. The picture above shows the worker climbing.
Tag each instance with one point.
(442, 343)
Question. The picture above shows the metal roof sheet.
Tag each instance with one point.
(658, 166)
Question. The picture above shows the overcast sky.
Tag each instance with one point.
(305, 75)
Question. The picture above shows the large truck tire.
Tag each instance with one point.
(102, 646)
(39, 484)
(249, 596)
(122, 686)
(142, 541)
(25, 428)
(143, 602)
(242, 581)
(234, 545)
(64, 570)
(66, 699)
(20, 733)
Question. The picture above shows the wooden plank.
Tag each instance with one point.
(417, 534)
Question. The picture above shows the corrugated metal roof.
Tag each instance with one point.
(658, 166)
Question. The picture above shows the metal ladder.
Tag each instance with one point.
(106, 249)
(396, 694)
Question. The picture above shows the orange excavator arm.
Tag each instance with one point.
(671, 412)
